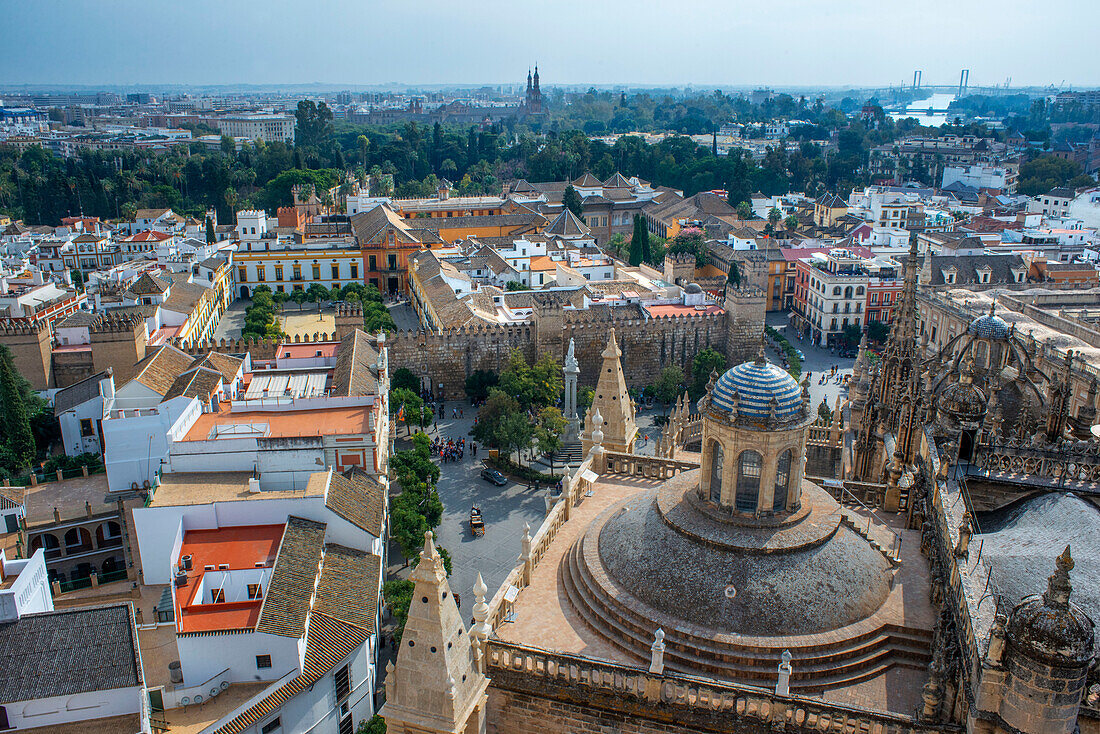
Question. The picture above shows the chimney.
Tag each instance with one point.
(253, 485)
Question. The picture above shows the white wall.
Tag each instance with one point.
(204, 656)
(50, 712)
(157, 527)
(30, 592)
(136, 444)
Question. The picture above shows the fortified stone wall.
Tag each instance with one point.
(118, 344)
(70, 368)
(30, 346)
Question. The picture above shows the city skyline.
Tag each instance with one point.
(784, 44)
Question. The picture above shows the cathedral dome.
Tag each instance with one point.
(1050, 625)
(963, 400)
(753, 388)
(989, 326)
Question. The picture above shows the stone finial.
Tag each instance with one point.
(1058, 585)
(481, 628)
(525, 543)
(997, 640)
(597, 429)
(761, 360)
(711, 380)
(390, 680)
(783, 683)
(965, 531)
(657, 652)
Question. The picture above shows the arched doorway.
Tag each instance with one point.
(111, 564)
(748, 481)
(108, 535)
(966, 445)
(77, 540)
(244, 291)
(48, 542)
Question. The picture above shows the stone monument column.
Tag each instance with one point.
(571, 371)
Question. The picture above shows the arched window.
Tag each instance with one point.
(836, 290)
(748, 481)
(716, 460)
(859, 291)
(782, 481)
(848, 292)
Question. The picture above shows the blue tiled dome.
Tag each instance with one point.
(989, 326)
(756, 383)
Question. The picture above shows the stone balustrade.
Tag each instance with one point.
(685, 699)
(649, 467)
(574, 489)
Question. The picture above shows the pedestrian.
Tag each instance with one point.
(473, 447)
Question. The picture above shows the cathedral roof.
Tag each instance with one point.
(989, 326)
(831, 579)
(753, 386)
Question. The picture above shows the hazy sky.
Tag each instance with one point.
(672, 42)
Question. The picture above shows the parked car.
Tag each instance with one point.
(800, 354)
(492, 475)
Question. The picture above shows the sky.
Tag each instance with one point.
(602, 42)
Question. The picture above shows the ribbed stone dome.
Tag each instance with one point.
(755, 384)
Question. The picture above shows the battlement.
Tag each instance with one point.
(349, 310)
(15, 327)
(125, 323)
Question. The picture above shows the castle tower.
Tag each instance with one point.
(118, 343)
(436, 687)
(745, 303)
(31, 347)
(613, 402)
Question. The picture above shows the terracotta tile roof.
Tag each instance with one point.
(78, 393)
(150, 213)
(184, 297)
(68, 651)
(78, 318)
(531, 220)
(359, 499)
(373, 226)
(349, 586)
(200, 382)
(567, 225)
(329, 641)
(149, 285)
(353, 375)
(148, 236)
(161, 368)
(226, 364)
(587, 181)
(617, 181)
(286, 605)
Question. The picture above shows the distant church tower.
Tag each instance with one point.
(533, 103)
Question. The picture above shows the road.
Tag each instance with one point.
(818, 361)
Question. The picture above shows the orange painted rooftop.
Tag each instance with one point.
(239, 548)
(300, 351)
(678, 309)
(344, 421)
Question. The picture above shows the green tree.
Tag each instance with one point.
(636, 253)
(210, 236)
(572, 201)
(398, 597)
(551, 424)
(515, 285)
(744, 210)
(705, 362)
(228, 145)
(18, 440)
(299, 296)
(376, 724)
(669, 384)
(878, 331)
(403, 377)
(478, 383)
(501, 424)
(823, 410)
(690, 241)
(791, 222)
(774, 215)
(410, 407)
